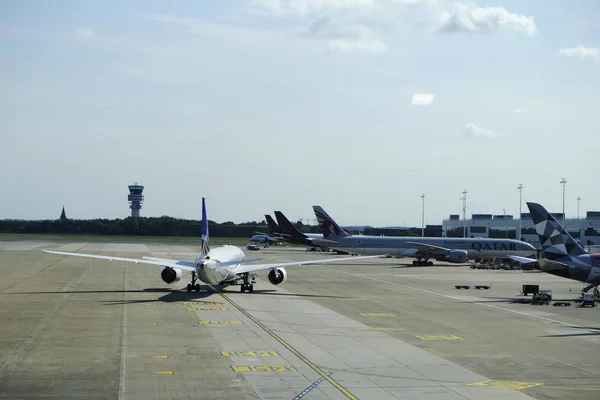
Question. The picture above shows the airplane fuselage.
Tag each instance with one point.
(211, 272)
(401, 247)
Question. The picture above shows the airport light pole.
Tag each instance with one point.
(423, 216)
(464, 199)
(520, 189)
(563, 181)
(578, 201)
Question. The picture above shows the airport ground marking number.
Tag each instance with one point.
(305, 360)
(439, 337)
(505, 384)
(263, 368)
(374, 314)
(249, 353)
(220, 322)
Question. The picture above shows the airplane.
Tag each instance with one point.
(221, 266)
(264, 239)
(561, 254)
(454, 250)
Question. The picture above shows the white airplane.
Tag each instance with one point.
(222, 266)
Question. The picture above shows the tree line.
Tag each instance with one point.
(163, 226)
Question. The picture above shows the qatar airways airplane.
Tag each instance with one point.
(222, 266)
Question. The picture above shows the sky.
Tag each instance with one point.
(270, 105)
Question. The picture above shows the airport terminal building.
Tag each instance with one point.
(586, 230)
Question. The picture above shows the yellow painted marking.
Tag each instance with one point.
(220, 322)
(305, 360)
(263, 368)
(206, 309)
(249, 353)
(439, 337)
(201, 303)
(160, 356)
(165, 372)
(152, 324)
(505, 384)
(373, 314)
(379, 329)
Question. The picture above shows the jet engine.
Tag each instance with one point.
(277, 276)
(454, 256)
(170, 275)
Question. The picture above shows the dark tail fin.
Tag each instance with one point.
(205, 237)
(556, 242)
(287, 228)
(273, 227)
(328, 226)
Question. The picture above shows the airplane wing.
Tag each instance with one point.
(159, 262)
(523, 260)
(428, 248)
(258, 267)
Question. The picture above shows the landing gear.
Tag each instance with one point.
(246, 285)
(193, 286)
(420, 262)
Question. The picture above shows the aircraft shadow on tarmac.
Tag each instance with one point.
(596, 332)
(175, 295)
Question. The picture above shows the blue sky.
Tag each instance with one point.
(279, 105)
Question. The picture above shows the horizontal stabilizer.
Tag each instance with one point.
(523, 260)
(223, 264)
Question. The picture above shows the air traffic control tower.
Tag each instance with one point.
(135, 199)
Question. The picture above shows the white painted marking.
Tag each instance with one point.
(460, 298)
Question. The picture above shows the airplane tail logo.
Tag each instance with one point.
(205, 237)
(556, 242)
(328, 226)
(273, 228)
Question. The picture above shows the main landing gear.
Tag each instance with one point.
(193, 286)
(246, 285)
(420, 262)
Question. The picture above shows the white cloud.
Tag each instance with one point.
(581, 52)
(343, 37)
(474, 19)
(305, 7)
(473, 130)
(85, 32)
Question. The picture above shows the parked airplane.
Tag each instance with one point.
(264, 239)
(223, 265)
(454, 250)
(561, 254)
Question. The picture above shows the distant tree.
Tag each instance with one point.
(63, 215)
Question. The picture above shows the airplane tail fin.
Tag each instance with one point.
(556, 242)
(328, 226)
(205, 236)
(287, 228)
(273, 227)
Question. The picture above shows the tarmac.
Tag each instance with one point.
(76, 328)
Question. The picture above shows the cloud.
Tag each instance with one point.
(472, 130)
(305, 7)
(343, 37)
(474, 19)
(581, 52)
(85, 32)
